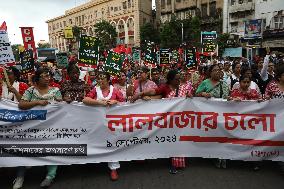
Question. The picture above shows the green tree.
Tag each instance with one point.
(77, 32)
(222, 41)
(171, 34)
(149, 33)
(194, 31)
(106, 34)
(43, 45)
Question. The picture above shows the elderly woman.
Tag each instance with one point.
(216, 88)
(16, 89)
(38, 95)
(105, 94)
(213, 86)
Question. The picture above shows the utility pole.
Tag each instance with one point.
(182, 32)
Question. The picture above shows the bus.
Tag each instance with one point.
(46, 54)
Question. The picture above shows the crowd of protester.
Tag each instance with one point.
(232, 80)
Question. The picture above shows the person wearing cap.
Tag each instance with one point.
(14, 89)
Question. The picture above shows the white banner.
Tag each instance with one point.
(6, 53)
(62, 134)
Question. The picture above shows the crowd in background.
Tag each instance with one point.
(228, 79)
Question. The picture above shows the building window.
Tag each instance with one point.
(233, 2)
(163, 4)
(80, 21)
(129, 3)
(212, 8)
(241, 1)
(178, 1)
(70, 21)
(115, 9)
(278, 22)
(204, 10)
(249, 1)
(169, 2)
(124, 5)
(64, 23)
(234, 27)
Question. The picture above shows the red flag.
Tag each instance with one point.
(3, 27)
(128, 50)
(28, 39)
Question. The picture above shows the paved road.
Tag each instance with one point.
(153, 174)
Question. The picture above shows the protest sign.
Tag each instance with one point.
(136, 55)
(150, 55)
(164, 57)
(190, 58)
(6, 53)
(62, 60)
(114, 63)
(68, 32)
(175, 55)
(27, 61)
(209, 42)
(88, 50)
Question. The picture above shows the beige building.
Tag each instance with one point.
(127, 16)
(210, 11)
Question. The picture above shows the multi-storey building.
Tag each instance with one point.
(272, 13)
(210, 11)
(127, 16)
(236, 12)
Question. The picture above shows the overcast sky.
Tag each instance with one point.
(32, 13)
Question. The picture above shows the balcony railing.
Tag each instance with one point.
(241, 7)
